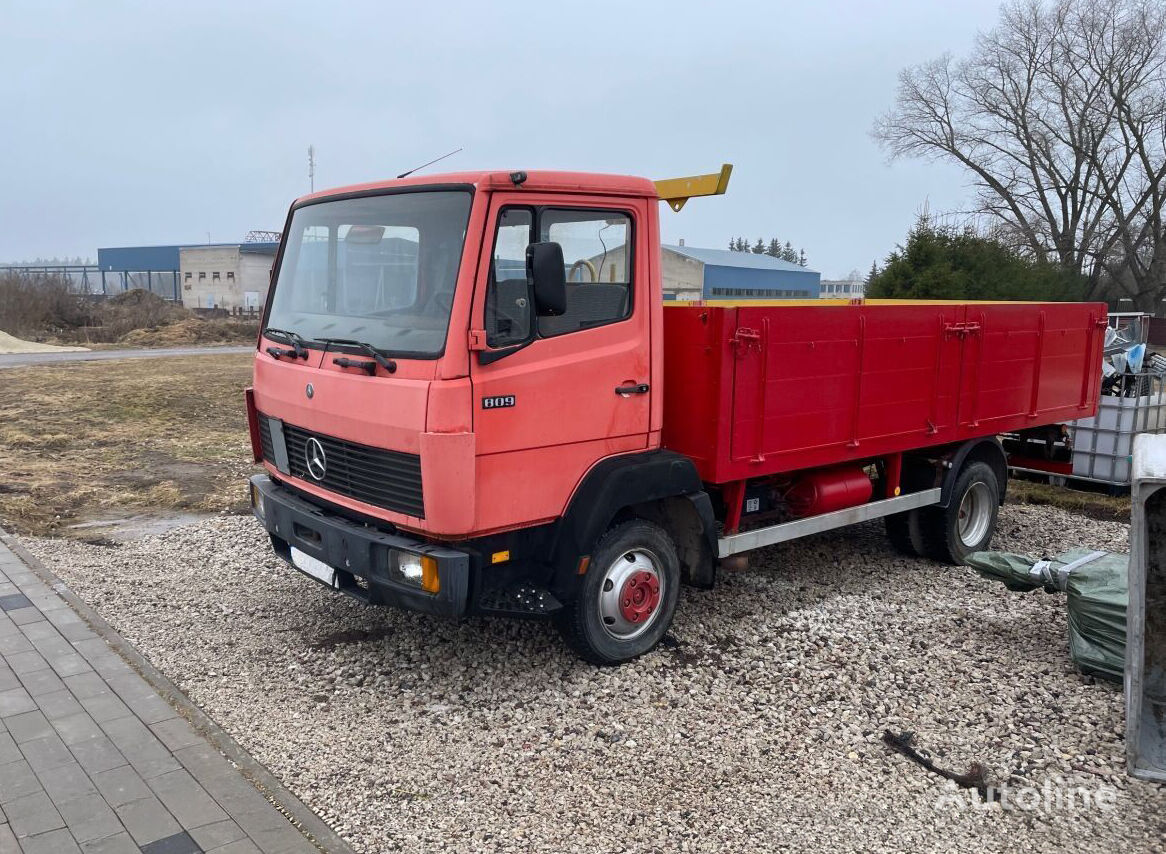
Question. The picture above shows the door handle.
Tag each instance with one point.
(625, 390)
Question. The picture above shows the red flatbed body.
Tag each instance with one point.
(761, 389)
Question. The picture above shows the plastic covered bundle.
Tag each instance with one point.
(1097, 588)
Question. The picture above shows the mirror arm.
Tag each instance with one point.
(485, 357)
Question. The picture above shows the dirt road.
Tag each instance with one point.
(20, 359)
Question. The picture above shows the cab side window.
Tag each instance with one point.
(597, 255)
(508, 309)
(597, 258)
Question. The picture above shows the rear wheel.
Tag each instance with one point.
(626, 601)
(899, 533)
(966, 525)
(903, 528)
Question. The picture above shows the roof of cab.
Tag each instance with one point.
(544, 180)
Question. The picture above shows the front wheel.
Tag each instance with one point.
(966, 525)
(626, 601)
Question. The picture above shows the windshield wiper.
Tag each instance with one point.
(379, 358)
(294, 338)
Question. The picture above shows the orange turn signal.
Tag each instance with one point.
(430, 580)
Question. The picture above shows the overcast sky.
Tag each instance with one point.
(129, 124)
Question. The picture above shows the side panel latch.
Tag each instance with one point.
(961, 330)
(744, 340)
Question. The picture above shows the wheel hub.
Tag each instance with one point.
(639, 597)
(974, 517)
(630, 594)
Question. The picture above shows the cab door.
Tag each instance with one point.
(553, 395)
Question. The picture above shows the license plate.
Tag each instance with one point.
(314, 567)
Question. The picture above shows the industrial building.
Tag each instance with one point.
(230, 276)
(690, 273)
(149, 268)
(843, 289)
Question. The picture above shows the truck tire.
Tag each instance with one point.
(899, 533)
(903, 528)
(949, 534)
(626, 600)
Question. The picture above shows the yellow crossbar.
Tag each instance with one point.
(677, 191)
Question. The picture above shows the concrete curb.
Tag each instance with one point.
(298, 815)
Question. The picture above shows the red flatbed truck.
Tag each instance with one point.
(470, 399)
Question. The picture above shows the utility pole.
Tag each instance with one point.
(312, 168)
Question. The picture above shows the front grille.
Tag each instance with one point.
(265, 438)
(389, 479)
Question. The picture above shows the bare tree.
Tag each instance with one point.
(1059, 113)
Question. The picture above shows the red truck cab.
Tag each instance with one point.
(459, 399)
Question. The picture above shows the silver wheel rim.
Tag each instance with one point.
(975, 514)
(620, 580)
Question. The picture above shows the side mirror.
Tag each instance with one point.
(544, 265)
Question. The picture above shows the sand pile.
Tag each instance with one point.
(9, 344)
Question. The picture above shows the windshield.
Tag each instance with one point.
(377, 269)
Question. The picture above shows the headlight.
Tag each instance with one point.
(409, 567)
(257, 502)
(416, 570)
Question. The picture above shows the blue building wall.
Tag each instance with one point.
(139, 259)
(785, 284)
(746, 275)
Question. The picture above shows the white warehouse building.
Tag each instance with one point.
(692, 273)
(230, 276)
(843, 289)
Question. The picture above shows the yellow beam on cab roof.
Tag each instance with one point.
(677, 191)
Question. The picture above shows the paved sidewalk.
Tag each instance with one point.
(93, 759)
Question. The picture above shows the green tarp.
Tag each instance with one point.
(1097, 588)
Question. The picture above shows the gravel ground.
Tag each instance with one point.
(756, 729)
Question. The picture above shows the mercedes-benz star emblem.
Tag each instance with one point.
(314, 457)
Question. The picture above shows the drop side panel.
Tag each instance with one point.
(1028, 364)
(758, 390)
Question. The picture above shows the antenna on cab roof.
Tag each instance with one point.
(430, 163)
(677, 191)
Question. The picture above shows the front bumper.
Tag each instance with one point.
(360, 554)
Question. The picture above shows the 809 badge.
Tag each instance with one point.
(498, 402)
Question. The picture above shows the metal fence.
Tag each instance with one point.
(91, 280)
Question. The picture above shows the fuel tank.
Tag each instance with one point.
(827, 490)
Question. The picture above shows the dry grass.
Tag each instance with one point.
(1096, 505)
(83, 440)
(43, 309)
(35, 304)
(193, 331)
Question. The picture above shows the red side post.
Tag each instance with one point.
(734, 494)
(894, 463)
